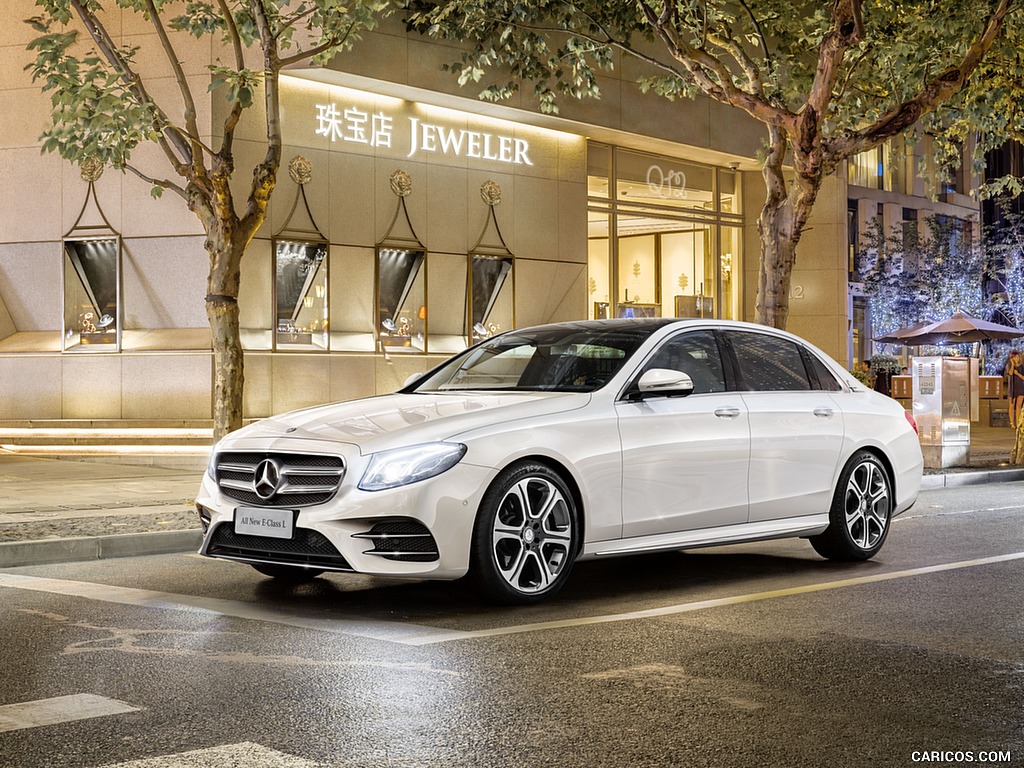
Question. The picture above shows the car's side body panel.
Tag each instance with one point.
(796, 443)
(684, 463)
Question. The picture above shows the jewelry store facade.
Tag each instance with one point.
(408, 222)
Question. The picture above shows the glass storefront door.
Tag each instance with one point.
(664, 237)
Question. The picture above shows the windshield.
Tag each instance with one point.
(561, 359)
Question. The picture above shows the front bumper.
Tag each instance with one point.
(422, 530)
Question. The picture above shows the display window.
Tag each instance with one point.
(92, 295)
(301, 319)
(491, 296)
(401, 300)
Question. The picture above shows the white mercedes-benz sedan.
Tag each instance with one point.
(543, 446)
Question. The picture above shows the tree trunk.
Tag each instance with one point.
(778, 255)
(222, 312)
(780, 225)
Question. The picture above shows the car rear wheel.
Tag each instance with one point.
(861, 511)
(526, 535)
(288, 573)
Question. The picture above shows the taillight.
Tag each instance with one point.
(910, 418)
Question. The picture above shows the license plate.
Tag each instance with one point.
(252, 521)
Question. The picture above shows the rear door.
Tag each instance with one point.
(796, 427)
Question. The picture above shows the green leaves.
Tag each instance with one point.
(766, 48)
(200, 18)
(241, 84)
(98, 110)
(93, 113)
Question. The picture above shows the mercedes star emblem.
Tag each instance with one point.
(266, 479)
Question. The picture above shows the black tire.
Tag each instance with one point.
(526, 536)
(861, 512)
(292, 574)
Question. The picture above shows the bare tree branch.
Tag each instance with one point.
(735, 49)
(290, 21)
(162, 183)
(714, 78)
(757, 28)
(326, 45)
(231, 122)
(264, 176)
(842, 34)
(191, 123)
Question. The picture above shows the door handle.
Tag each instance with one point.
(727, 412)
(824, 412)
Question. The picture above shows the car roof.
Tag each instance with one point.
(653, 324)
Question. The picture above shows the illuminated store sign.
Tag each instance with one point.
(357, 126)
(666, 184)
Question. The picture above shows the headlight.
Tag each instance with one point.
(401, 466)
(211, 464)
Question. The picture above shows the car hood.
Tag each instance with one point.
(378, 423)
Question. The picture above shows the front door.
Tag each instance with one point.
(685, 459)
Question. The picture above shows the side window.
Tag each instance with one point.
(768, 363)
(695, 354)
(826, 379)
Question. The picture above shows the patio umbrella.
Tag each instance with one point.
(900, 335)
(960, 328)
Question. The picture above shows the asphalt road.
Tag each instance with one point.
(760, 655)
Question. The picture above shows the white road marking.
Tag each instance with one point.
(391, 631)
(701, 605)
(243, 755)
(901, 518)
(61, 709)
(414, 634)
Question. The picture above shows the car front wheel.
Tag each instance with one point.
(526, 535)
(861, 511)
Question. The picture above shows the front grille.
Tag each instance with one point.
(306, 547)
(290, 480)
(402, 540)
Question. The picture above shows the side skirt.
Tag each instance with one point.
(810, 525)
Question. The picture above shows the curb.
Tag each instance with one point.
(16, 553)
(981, 477)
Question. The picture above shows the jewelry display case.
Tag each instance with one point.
(491, 275)
(301, 314)
(92, 295)
(301, 320)
(91, 275)
(401, 290)
(491, 296)
(626, 309)
(401, 293)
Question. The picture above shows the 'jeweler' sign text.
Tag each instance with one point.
(357, 126)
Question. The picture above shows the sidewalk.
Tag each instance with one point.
(87, 506)
(91, 506)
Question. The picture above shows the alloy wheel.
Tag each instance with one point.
(532, 536)
(867, 505)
